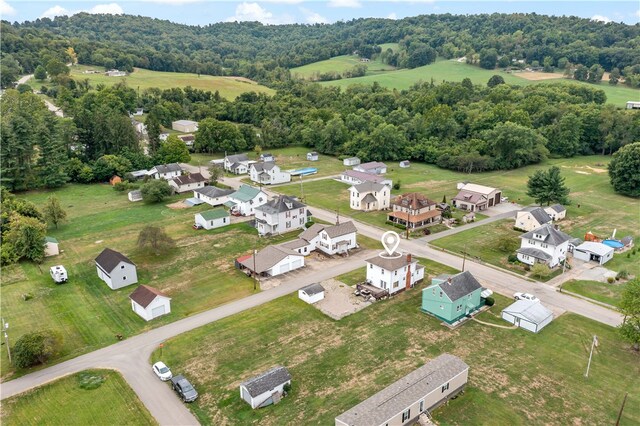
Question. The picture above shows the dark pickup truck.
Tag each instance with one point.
(183, 388)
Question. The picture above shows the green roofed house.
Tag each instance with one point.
(451, 297)
(244, 201)
(211, 219)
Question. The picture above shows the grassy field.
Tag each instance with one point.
(524, 378)
(228, 87)
(73, 400)
(340, 64)
(452, 70)
(603, 292)
(198, 274)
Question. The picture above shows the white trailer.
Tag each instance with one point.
(59, 274)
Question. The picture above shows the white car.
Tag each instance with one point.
(162, 371)
(525, 296)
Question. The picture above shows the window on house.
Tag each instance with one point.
(124, 278)
(406, 415)
(442, 307)
(422, 406)
(396, 273)
(445, 387)
(440, 293)
(434, 291)
(121, 266)
(370, 266)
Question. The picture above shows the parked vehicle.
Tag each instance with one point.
(525, 296)
(196, 226)
(59, 274)
(183, 388)
(162, 371)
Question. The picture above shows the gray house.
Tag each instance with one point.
(266, 388)
(115, 269)
(419, 391)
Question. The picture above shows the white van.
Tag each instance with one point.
(59, 274)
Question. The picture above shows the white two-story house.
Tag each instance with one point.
(335, 239)
(237, 164)
(282, 214)
(546, 245)
(268, 173)
(244, 201)
(186, 183)
(212, 195)
(369, 196)
(165, 171)
(395, 273)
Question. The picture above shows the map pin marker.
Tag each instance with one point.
(390, 241)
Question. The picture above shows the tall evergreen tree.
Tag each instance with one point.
(53, 155)
(547, 187)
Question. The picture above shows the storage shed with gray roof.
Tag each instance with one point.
(266, 388)
(419, 391)
(115, 269)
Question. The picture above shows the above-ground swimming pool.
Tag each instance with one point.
(613, 243)
(304, 172)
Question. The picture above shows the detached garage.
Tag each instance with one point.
(312, 293)
(271, 261)
(527, 314)
(589, 250)
(149, 302)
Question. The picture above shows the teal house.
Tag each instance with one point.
(451, 297)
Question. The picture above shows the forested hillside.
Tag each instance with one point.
(265, 53)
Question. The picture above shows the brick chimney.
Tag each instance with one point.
(408, 280)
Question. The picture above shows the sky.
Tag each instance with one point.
(274, 12)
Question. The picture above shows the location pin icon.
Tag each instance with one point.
(390, 241)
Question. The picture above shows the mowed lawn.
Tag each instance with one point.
(339, 64)
(452, 70)
(228, 87)
(603, 292)
(198, 274)
(72, 401)
(516, 377)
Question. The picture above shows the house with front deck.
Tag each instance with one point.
(414, 210)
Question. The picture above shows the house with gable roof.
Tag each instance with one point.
(452, 297)
(244, 201)
(394, 274)
(271, 261)
(415, 210)
(237, 164)
(329, 239)
(556, 211)
(186, 183)
(149, 302)
(165, 171)
(280, 215)
(474, 197)
(531, 218)
(268, 173)
(369, 196)
(374, 167)
(213, 195)
(266, 388)
(546, 245)
(115, 269)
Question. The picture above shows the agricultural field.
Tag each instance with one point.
(340, 64)
(452, 70)
(228, 87)
(602, 292)
(198, 274)
(526, 378)
(95, 397)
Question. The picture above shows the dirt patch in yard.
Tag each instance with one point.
(538, 76)
(178, 205)
(339, 300)
(597, 170)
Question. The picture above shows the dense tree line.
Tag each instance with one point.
(266, 52)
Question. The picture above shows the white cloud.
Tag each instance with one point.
(344, 3)
(392, 15)
(283, 1)
(600, 18)
(252, 12)
(6, 9)
(172, 2)
(637, 14)
(57, 10)
(316, 18)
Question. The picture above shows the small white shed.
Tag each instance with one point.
(405, 164)
(135, 195)
(211, 219)
(590, 250)
(51, 247)
(266, 388)
(528, 314)
(149, 302)
(312, 156)
(312, 293)
(353, 161)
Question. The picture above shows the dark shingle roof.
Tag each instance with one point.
(340, 229)
(363, 176)
(282, 203)
(369, 198)
(311, 232)
(187, 179)
(144, 295)
(538, 254)
(267, 381)
(390, 263)
(461, 284)
(413, 200)
(168, 168)
(549, 233)
(559, 208)
(369, 187)
(312, 289)
(267, 165)
(267, 258)
(109, 259)
(213, 192)
(539, 215)
(238, 158)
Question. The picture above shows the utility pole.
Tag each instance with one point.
(338, 216)
(594, 343)
(301, 190)
(621, 408)
(464, 258)
(5, 327)
(255, 277)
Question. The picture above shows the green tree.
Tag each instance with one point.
(614, 76)
(547, 187)
(109, 165)
(540, 270)
(218, 136)
(488, 58)
(581, 73)
(495, 80)
(24, 88)
(513, 145)
(155, 190)
(630, 309)
(10, 70)
(153, 131)
(595, 74)
(624, 170)
(26, 236)
(215, 173)
(40, 73)
(173, 150)
(55, 67)
(35, 348)
(53, 154)
(53, 211)
(564, 136)
(507, 244)
(155, 239)
(547, 64)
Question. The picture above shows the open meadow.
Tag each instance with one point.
(91, 397)
(525, 378)
(228, 87)
(198, 274)
(452, 70)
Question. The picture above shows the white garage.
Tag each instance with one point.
(528, 314)
(312, 293)
(272, 261)
(149, 302)
(592, 251)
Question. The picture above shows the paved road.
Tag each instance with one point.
(458, 229)
(52, 107)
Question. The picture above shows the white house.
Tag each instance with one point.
(186, 183)
(329, 239)
(267, 157)
(374, 167)
(474, 197)
(271, 261)
(268, 174)
(115, 269)
(185, 126)
(528, 314)
(282, 214)
(163, 136)
(213, 195)
(405, 164)
(394, 273)
(369, 196)
(115, 73)
(592, 251)
(355, 177)
(244, 201)
(149, 302)
(51, 247)
(556, 211)
(237, 164)
(135, 195)
(546, 245)
(165, 171)
(312, 156)
(211, 219)
(633, 105)
(353, 161)
(188, 139)
(266, 388)
(312, 293)
(531, 218)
